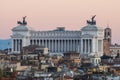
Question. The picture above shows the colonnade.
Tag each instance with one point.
(17, 44)
(58, 45)
(83, 46)
(86, 46)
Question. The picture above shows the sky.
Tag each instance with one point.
(49, 14)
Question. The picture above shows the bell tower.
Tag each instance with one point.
(108, 35)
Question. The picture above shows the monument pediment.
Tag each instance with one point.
(17, 35)
(87, 36)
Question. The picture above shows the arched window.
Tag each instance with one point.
(108, 33)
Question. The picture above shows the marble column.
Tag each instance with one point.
(33, 42)
(82, 46)
(74, 45)
(18, 44)
(71, 45)
(67, 45)
(46, 43)
(79, 45)
(91, 45)
(96, 45)
(61, 45)
(15, 44)
(39, 42)
(42, 42)
(52, 46)
(49, 45)
(85, 46)
(55, 45)
(64, 45)
(12, 45)
(88, 45)
(58, 45)
(102, 45)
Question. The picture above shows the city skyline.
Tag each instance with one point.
(47, 15)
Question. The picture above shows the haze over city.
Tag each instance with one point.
(49, 14)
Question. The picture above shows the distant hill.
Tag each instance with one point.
(4, 44)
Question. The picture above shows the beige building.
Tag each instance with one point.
(72, 57)
(31, 56)
(114, 50)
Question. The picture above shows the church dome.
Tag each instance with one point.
(91, 28)
(22, 28)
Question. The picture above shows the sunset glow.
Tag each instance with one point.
(49, 14)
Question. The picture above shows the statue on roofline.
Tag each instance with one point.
(92, 21)
(23, 22)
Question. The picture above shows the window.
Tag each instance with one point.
(35, 57)
(96, 61)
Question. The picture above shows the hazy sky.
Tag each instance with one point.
(49, 14)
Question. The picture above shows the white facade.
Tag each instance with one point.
(87, 41)
(95, 60)
(114, 50)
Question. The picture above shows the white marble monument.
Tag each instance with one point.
(87, 41)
